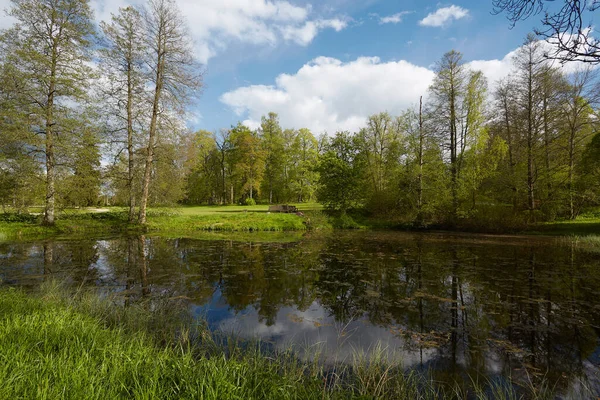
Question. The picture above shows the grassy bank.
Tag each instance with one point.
(232, 221)
(180, 221)
(55, 345)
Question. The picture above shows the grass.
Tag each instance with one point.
(55, 351)
(240, 221)
(180, 221)
(56, 344)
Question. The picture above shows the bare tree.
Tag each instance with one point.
(530, 65)
(566, 27)
(175, 76)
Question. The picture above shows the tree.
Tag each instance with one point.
(564, 26)
(202, 167)
(340, 170)
(580, 123)
(272, 138)
(248, 159)
(507, 127)
(82, 188)
(448, 92)
(530, 66)
(122, 64)
(479, 155)
(423, 188)
(175, 77)
(304, 158)
(49, 48)
(380, 147)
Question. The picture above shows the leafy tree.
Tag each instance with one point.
(304, 158)
(51, 67)
(248, 158)
(82, 188)
(340, 169)
(202, 168)
(273, 142)
(457, 114)
(422, 185)
(381, 149)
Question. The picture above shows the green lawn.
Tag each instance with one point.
(170, 221)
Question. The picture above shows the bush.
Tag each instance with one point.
(249, 202)
(14, 217)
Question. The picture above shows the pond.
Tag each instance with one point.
(452, 305)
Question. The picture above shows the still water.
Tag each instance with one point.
(454, 305)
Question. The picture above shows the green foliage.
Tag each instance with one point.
(248, 160)
(250, 202)
(82, 187)
(340, 170)
(14, 217)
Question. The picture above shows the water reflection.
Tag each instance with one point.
(457, 305)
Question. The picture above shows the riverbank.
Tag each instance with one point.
(181, 221)
(227, 221)
(55, 344)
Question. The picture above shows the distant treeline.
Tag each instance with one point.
(91, 117)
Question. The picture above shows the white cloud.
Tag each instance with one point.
(217, 24)
(329, 95)
(498, 69)
(303, 35)
(393, 19)
(443, 16)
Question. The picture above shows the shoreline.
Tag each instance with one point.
(235, 222)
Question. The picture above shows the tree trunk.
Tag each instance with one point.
(130, 143)
(50, 162)
(153, 127)
(453, 151)
(420, 176)
(530, 144)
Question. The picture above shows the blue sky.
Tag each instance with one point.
(328, 64)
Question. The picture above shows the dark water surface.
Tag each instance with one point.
(457, 305)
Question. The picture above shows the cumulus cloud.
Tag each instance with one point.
(217, 24)
(444, 15)
(327, 94)
(393, 19)
(498, 69)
